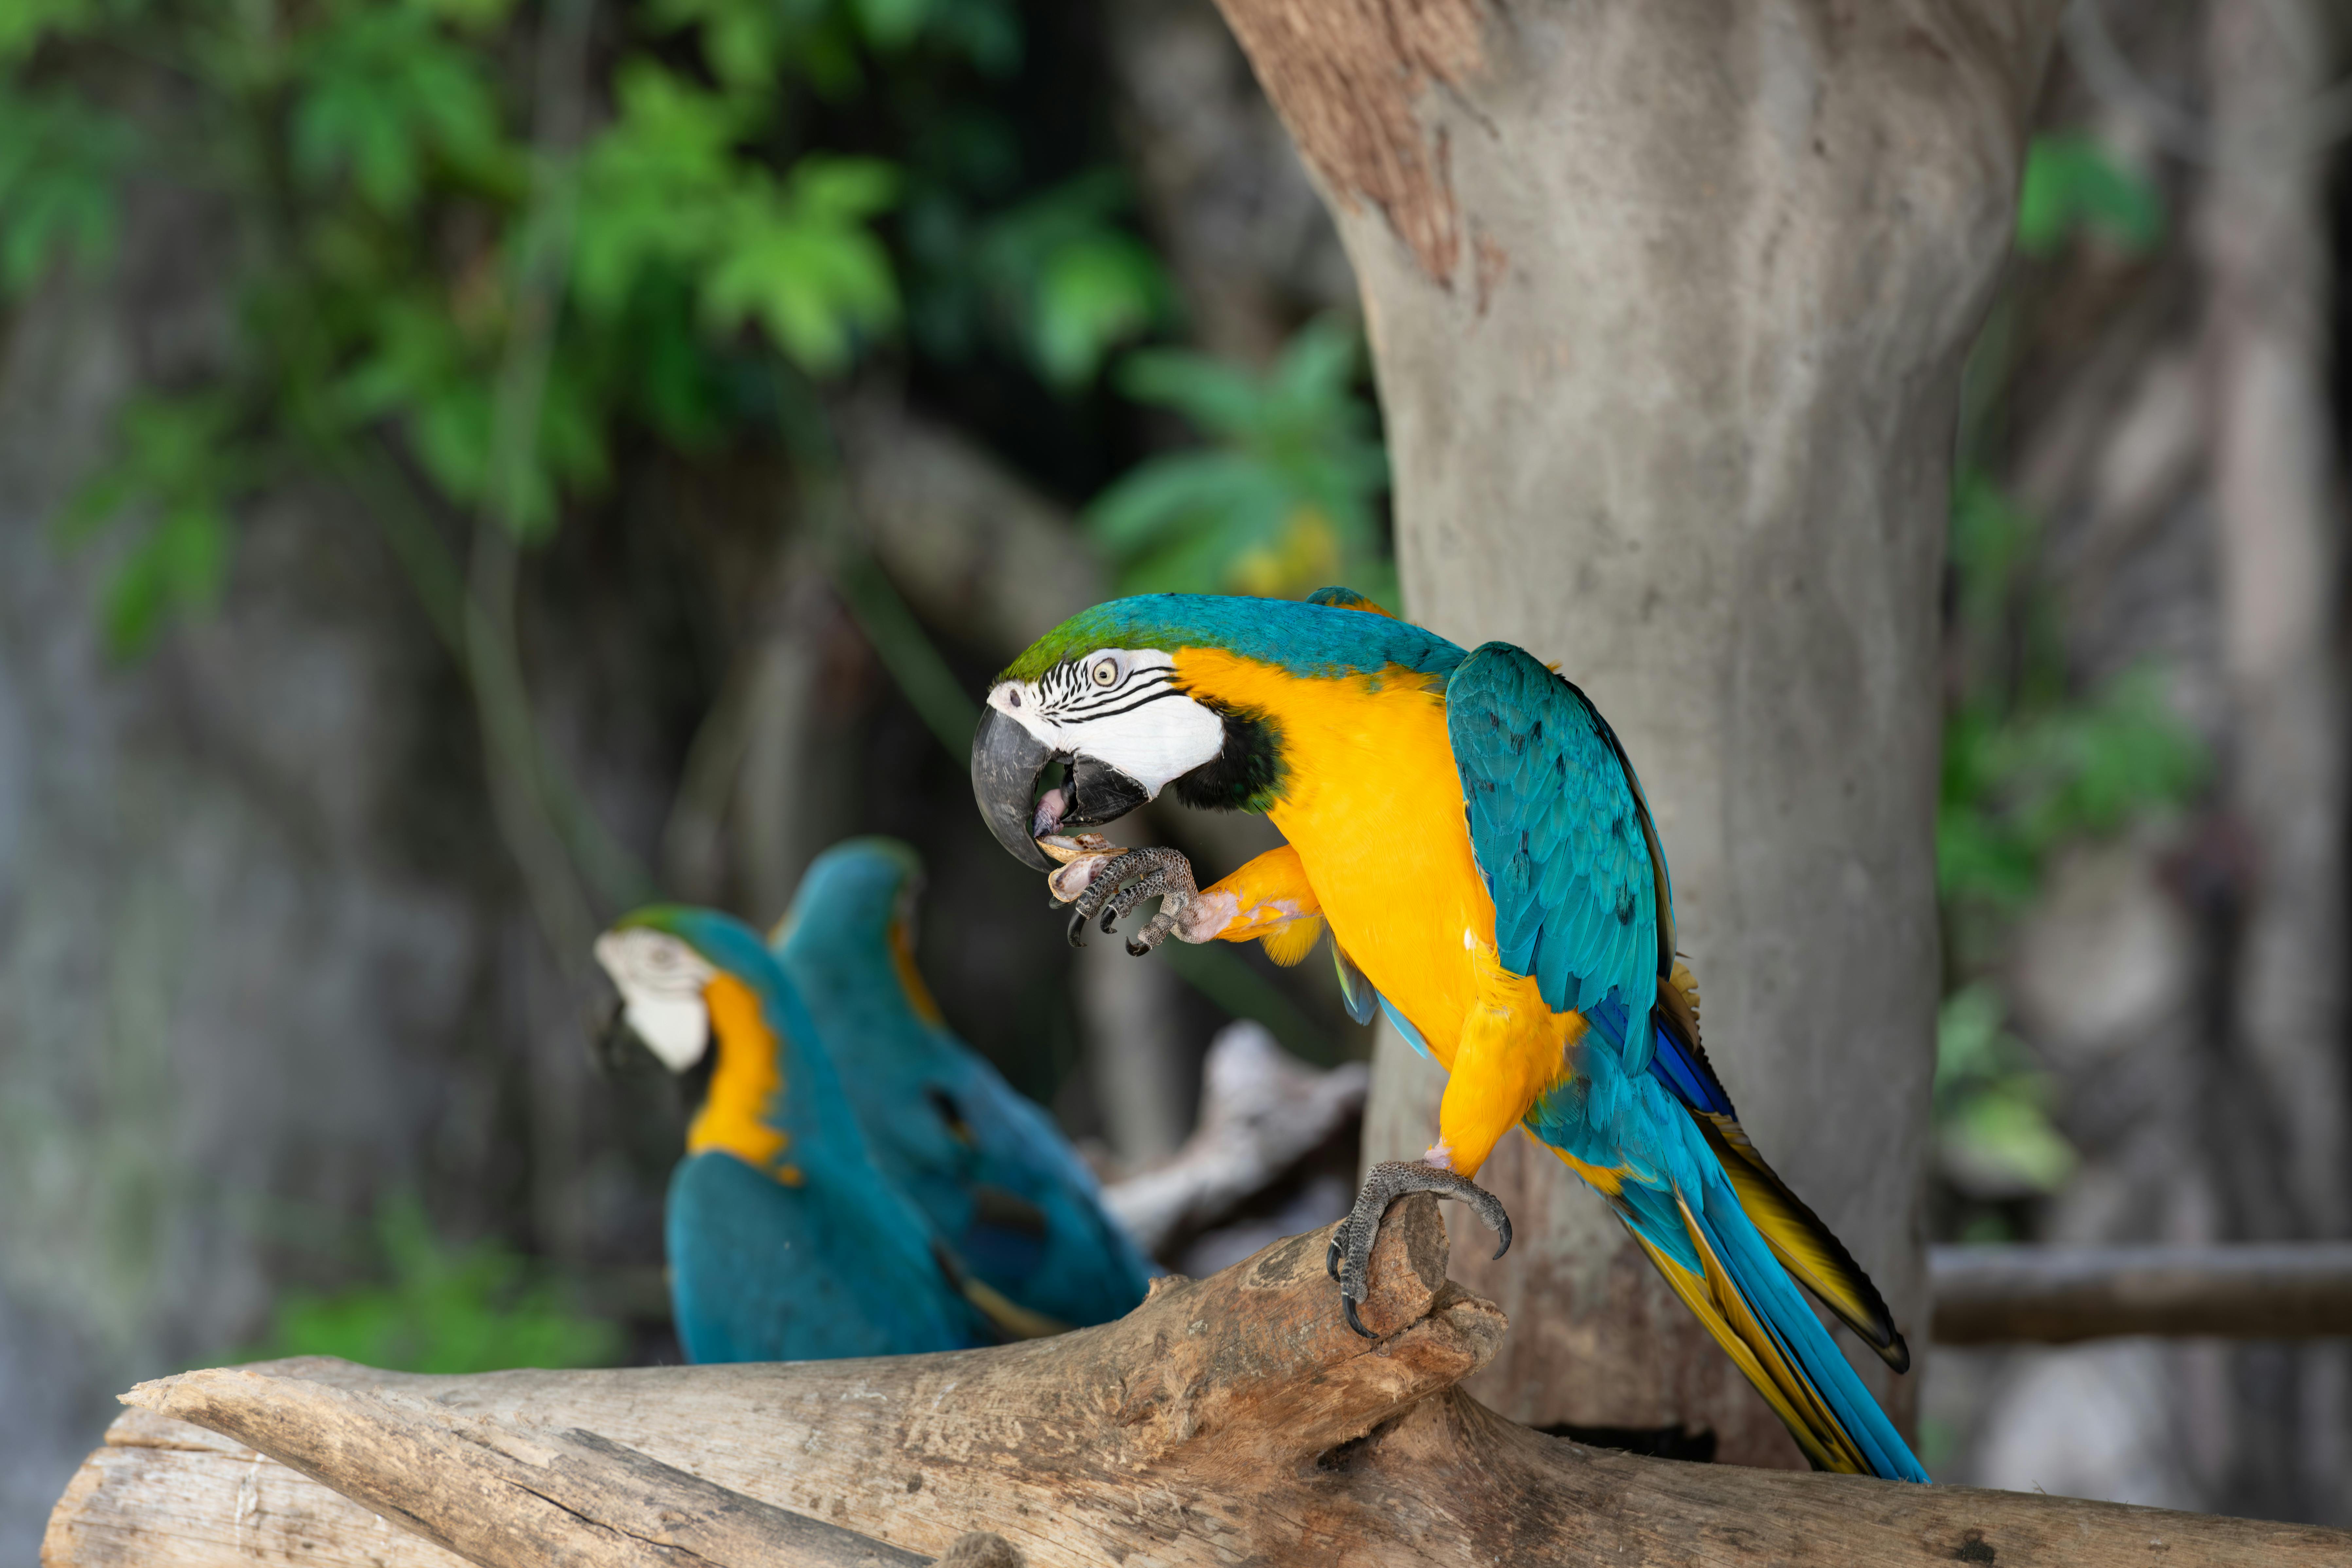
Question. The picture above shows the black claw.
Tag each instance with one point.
(1349, 1255)
(1137, 947)
(1348, 1310)
(1077, 931)
(1112, 911)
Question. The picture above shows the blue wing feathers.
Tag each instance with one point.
(1563, 839)
(1555, 826)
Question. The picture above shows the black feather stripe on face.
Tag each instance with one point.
(1248, 771)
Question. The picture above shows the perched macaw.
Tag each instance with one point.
(786, 1242)
(990, 1168)
(1473, 836)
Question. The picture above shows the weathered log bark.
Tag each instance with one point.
(1228, 1418)
(2006, 1295)
(1668, 303)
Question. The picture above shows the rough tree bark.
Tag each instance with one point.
(2283, 1082)
(1667, 304)
(1227, 1419)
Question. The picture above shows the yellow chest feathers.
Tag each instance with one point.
(744, 1087)
(1372, 802)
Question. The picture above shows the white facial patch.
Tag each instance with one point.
(1121, 707)
(660, 980)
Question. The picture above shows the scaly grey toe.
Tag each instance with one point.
(1351, 1244)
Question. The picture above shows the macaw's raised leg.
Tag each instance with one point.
(1349, 1255)
(1121, 884)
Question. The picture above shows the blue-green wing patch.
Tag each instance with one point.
(1558, 830)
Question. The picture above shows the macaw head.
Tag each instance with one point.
(1127, 698)
(662, 959)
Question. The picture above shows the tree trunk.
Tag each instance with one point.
(1668, 304)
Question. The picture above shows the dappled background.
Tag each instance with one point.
(468, 469)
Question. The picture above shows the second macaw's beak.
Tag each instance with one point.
(1006, 763)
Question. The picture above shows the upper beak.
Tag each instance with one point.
(1007, 761)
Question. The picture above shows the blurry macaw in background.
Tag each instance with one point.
(786, 1242)
(1473, 834)
(988, 1165)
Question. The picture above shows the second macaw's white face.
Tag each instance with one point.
(661, 982)
(1119, 708)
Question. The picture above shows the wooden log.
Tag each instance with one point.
(1228, 1418)
(2053, 1295)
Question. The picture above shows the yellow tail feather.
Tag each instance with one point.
(1717, 1304)
(1805, 1246)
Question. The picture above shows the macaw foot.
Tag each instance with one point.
(1350, 1253)
(1114, 886)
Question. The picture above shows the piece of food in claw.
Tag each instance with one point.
(1081, 857)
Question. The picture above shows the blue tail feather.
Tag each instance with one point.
(1774, 1298)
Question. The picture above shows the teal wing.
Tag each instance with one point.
(1561, 833)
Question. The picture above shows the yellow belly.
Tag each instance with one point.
(1373, 802)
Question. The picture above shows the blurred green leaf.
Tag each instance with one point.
(1070, 283)
(655, 185)
(60, 160)
(441, 1309)
(383, 92)
(1286, 502)
(2072, 184)
(177, 469)
(2017, 788)
(801, 263)
(1994, 1133)
(890, 24)
(25, 24)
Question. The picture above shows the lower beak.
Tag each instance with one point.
(1007, 761)
(615, 1043)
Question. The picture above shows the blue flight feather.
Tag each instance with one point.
(987, 1164)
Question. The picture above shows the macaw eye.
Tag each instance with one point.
(1105, 671)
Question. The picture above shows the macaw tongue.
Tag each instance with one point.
(1051, 809)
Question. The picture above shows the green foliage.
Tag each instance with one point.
(1282, 501)
(59, 158)
(413, 270)
(2073, 185)
(441, 1309)
(179, 468)
(2017, 787)
(1054, 276)
(2029, 766)
(1993, 1103)
(385, 93)
(1074, 285)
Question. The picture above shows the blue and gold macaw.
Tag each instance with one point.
(1473, 835)
(786, 1242)
(991, 1169)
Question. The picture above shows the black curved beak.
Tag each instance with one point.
(1007, 761)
